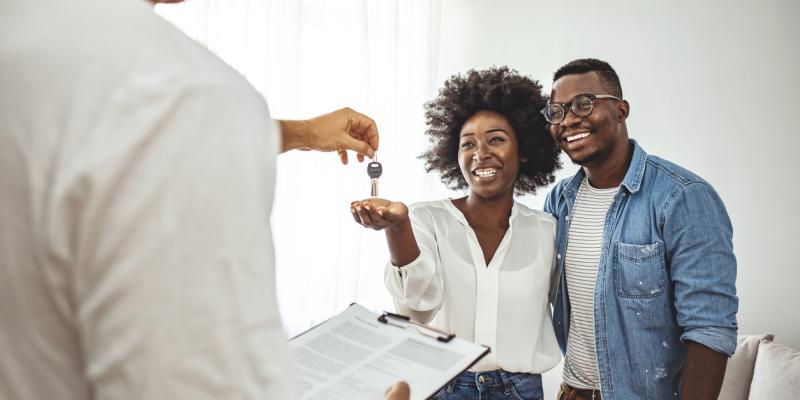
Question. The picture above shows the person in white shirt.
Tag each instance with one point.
(481, 265)
(136, 182)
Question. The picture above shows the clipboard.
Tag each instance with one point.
(357, 354)
(406, 322)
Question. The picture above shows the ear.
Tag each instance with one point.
(623, 110)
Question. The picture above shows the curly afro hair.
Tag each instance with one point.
(506, 92)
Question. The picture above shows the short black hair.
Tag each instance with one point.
(504, 91)
(608, 77)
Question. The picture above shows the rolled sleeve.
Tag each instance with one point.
(699, 239)
(415, 285)
(722, 340)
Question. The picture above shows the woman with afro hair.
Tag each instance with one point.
(481, 265)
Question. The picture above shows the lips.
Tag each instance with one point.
(575, 139)
(575, 136)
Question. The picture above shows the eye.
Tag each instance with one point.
(467, 145)
(583, 104)
(497, 139)
(554, 111)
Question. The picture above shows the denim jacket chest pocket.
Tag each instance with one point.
(639, 271)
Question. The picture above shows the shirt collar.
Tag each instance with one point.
(632, 180)
(459, 216)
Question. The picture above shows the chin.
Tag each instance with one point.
(584, 159)
(579, 161)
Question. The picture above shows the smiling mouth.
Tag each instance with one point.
(577, 136)
(485, 172)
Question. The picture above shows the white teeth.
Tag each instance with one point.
(578, 136)
(485, 173)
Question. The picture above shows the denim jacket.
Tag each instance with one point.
(667, 275)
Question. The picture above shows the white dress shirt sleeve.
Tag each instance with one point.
(418, 288)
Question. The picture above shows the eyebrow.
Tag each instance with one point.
(490, 130)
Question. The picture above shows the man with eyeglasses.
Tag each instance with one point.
(645, 306)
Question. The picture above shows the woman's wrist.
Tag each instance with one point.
(400, 226)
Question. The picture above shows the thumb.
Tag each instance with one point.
(398, 391)
(394, 212)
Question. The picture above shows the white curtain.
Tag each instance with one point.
(310, 57)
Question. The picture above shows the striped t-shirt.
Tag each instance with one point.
(584, 245)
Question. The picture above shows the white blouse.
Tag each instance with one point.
(503, 305)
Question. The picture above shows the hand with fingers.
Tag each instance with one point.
(338, 131)
(379, 213)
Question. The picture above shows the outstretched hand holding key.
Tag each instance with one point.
(377, 213)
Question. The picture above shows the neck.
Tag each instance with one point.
(488, 211)
(610, 172)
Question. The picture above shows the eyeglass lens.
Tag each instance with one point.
(580, 105)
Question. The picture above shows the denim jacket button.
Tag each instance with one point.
(558, 256)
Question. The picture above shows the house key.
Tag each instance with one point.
(374, 170)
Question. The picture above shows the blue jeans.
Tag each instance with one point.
(491, 385)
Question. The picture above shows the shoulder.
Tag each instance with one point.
(668, 180)
(667, 170)
(434, 213)
(532, 216)
(132, 50)
(554, 196)
(672, 185)
(570, 183)
(430, 207)
(531, 213)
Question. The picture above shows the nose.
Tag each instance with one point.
(481, 153)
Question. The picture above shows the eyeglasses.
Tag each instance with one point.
(581, 105)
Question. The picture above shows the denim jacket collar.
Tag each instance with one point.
(633, 178)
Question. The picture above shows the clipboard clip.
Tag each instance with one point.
(402, 321)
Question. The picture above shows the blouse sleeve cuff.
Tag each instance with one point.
(413, 284)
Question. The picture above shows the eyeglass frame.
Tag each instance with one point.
(590, 96)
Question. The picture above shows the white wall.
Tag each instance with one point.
(713, 86)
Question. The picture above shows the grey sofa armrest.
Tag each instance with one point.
(739, 373)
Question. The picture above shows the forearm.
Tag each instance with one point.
(703, 373)
(339, 131)
(293, 134)
(403, 248)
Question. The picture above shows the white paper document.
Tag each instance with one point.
(355, 356)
